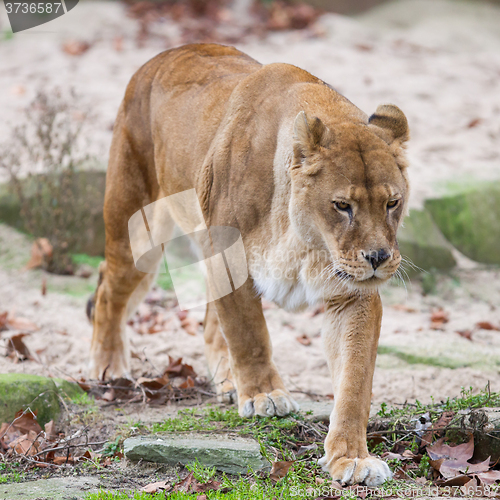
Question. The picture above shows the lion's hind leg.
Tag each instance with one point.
(217, 354)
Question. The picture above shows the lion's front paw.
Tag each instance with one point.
(369, 471)
(226, 392)
(277, 402)
(109, 364)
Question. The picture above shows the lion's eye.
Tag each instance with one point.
(392, 203)
(342, 205)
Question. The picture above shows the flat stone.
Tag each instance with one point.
(316, 411)
(57, 488)
(422, 242)
(319, 411)
(19, 391)
(226, 453)
(470, 221)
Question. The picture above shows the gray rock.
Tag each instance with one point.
(319, 411)
(316, 411)
(471, 221)
(226, 453)
(19, 391)
(58, 488)
(421, 241)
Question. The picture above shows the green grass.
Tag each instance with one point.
(164, 281)
(83, 399)
(83, 259)
(8, 473)
(415, 359)
(271, 431)
(467, 400)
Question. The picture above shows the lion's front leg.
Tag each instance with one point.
(350, 332)
(258, 384)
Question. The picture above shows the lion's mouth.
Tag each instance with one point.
(343, 275)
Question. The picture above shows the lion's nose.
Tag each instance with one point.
(377, 257)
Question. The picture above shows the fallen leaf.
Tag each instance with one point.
(17, 349)
(190, 325)
(303, 339)
(157, 487)
(438, 319)
(26, 422)
(3, 321)
(466, 334)
(177, 368)
(41, 254)
(183, 486)
(404, 308)
(280, 469)
(210, 485)
(63, 460)
(75, 47)
(50, 431)
(443, 421)
(489, 477)
(26, 444)
(19, 323)
(486, 325)
(455, 458)
(188, 384)
(454, 481)
(474, 122)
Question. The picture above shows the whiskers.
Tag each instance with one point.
(332, 274)
(401, 275)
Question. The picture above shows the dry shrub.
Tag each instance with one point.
(48, 174)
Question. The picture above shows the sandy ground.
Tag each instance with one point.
(439, 61)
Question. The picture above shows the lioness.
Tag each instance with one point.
(300, 171)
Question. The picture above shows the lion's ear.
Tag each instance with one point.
(309, 134)
(392, 123)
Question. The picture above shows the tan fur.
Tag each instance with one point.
(306, 178)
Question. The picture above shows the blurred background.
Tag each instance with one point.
(438, 60)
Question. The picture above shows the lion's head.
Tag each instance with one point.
(349, 192)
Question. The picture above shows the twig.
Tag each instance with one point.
(68, 446)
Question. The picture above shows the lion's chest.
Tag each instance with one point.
(281, 280)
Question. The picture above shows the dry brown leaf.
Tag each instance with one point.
(3, 321)
(19, 323)
(177, 368)
(157, 487)
(439, 319)
(63, 460)
(489, 477)
(466, 334)
(486, 325)
(190, 325)
(41, 254)
(26, 422)
(184, 485)
(443, 421)
(280, 469)
(50, 431)
(75, 47)
(455, 459)
(303, 339)
(404, 308)
(17, 349)
(188, 384)
(474, 122)
(203, 487)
